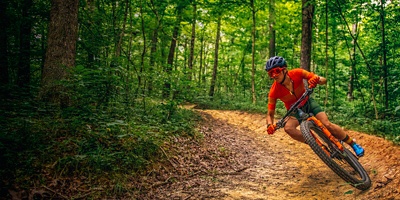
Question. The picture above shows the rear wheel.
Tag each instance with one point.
(344, 164)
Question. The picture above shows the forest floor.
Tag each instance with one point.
(236, 159)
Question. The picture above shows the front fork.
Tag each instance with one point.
(326, 132)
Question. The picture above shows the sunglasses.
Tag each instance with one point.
(273, 73)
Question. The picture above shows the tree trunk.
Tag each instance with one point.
(334, 74)
(24, 67)
(201, 74)
(306, 35)
(4, 79)
(185, 59)
(271, 28)
(61, 50)
(91, 51)
(153, 49)
(385, 68)
(168, 68)
(192, 41)
(241, 72)
(326, 49)
(253, 52)
(122, 33)
(350, 87)
(215, 69)
(144, 50)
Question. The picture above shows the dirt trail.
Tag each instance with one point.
(238, 160)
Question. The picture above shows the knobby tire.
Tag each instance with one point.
(360, 180)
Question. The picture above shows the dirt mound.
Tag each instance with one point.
(236, 159)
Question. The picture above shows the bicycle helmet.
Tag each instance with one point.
(275, 61)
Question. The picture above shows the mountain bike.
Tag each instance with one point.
(332, 151)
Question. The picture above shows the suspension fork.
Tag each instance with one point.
(326, 132)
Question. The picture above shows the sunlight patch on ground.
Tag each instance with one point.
(249, 190)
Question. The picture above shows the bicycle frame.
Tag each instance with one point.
(309, 117)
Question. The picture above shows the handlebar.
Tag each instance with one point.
(281, 123)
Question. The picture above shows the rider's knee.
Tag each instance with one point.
(294, 133)
(329, 125)
(290, 130)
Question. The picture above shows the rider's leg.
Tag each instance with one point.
(333, 128)
(339, 133)
(292, 131)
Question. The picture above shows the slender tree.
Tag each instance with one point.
(253, 51)
(168, 68)
(192, 39)
(158, 10)
(306, 35)
(24, 68)
(201, 70)
(120, 35)
(144, 49)
(350, 87)
(271, 22)
(326, 48)
(3, 43)
(384, 52)
(91, 50)
(215, 69)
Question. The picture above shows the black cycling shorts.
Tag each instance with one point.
(310, 107)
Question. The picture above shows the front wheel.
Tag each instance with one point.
(344, 164)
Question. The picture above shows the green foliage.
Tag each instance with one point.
(40, 141)
(356, 116)
(118, 119)
(232, 102)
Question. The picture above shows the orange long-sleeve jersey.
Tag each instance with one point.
(278, 91)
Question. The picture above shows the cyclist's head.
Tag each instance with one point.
(275, 65)
(274, 62)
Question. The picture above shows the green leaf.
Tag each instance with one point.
(397, 108)
(349, 192)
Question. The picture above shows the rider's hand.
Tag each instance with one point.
(313, 81)
(271, 128)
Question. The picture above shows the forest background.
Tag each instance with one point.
(93, 88)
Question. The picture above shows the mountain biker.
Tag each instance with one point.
(288, 86)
